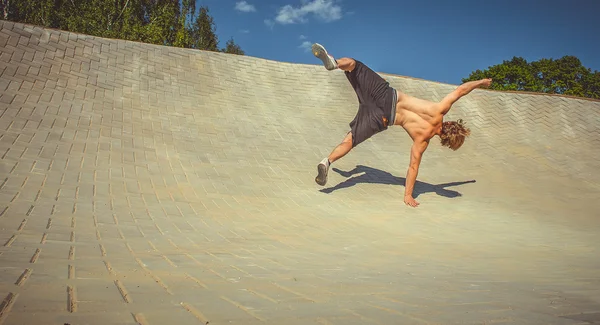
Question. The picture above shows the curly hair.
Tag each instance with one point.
(454, 134)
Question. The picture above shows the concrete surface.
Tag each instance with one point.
(141, 184)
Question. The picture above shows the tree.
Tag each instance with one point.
(566, 76)
(160, 22)
(183, 37)
(164, 22)
(37, 12)
(203, 32)
(232, 48)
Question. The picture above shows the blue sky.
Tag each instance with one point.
(439, 40)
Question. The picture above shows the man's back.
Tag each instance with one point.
(420, 118)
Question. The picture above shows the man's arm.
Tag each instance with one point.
(416, 152)
(461, 91)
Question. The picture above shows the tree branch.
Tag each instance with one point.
(110, 22)
(122, 10)
(163, 11)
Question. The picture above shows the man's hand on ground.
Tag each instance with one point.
(409, 200)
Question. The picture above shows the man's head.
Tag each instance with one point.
(454, 133)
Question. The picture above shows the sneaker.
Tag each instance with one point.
(322, 170)
(320, 52)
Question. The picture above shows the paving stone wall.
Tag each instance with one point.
(142, 184)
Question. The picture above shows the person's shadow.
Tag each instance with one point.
(376, 176)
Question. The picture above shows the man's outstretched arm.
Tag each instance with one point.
(416, 152)
(461, 91)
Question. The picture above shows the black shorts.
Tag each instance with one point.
(376, 101)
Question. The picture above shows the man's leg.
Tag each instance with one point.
(330, 62)
(371, 88)
(348, 65)
(338, 152)
(342, 149)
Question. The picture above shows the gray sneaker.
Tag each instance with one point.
(322, 169)
(328, 61)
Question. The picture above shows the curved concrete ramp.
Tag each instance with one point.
(142, 184)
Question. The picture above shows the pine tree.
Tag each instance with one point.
(203, 32)
(232, 48)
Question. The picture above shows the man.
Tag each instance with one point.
(381, 106)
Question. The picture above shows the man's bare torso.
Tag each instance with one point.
(420, 118)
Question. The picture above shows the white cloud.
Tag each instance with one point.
(244, 6)
(302, 37)
(244, 31)
(306, 45)
(326, 10)
(269, 23)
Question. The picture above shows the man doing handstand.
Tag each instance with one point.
(381, 106)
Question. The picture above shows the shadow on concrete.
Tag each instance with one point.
(376, 176)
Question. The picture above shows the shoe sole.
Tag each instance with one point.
(321, 53)
(321, 178)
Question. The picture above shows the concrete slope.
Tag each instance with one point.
(142, 184)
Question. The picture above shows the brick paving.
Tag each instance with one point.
(142, 184)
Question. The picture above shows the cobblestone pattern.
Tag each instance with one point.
(149, 185)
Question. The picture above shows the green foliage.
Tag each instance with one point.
(182, 35)
(232, 48)
(203, 32)
(164, 22)
(566, 76)
(38, 12)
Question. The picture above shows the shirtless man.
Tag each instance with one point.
(381, 105)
